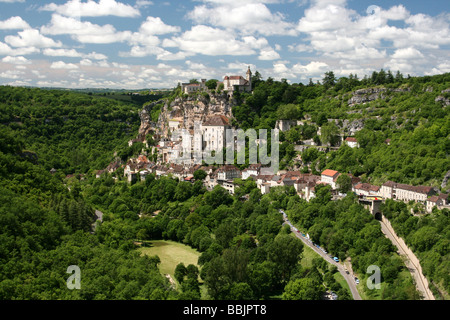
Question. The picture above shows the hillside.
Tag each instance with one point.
(246, 252)
(68, 131)
(413, 113)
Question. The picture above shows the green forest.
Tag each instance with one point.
(47, 219)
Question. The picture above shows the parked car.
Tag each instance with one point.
(356, 280)
(336, 259)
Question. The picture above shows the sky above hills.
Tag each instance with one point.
(137, 44)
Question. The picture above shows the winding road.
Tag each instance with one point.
(348, 277)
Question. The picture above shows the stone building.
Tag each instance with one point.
(239, 83)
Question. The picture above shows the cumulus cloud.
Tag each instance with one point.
(77, 8)
(407, 53)
(312, 68)
(31, 38)
(72, 53)
(7, 50)
(155, 26)
(63, 65)
(268, 54)
(11, 74)
(16, 60)
(14, 23)
(206, 40)
(84, 31)
(247, 17)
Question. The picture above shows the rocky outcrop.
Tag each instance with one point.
(351, 127)
(366, 95)
(444, 100)
(370, 94)
(445, 180)
(147, 126)
(185, 111)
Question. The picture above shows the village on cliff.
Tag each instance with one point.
(192, 115)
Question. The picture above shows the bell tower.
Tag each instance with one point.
(249, 78)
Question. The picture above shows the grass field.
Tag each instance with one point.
(171, 254)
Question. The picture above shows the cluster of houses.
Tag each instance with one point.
(183, 146)
(303, 183)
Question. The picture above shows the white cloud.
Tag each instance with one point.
(358, 53)
(280, 70)
(31, 38)
(268, 54)
(206, 40)
(14, 23)
(76, 8)
(141, 51)
(247, 17)
(11, 74)
(326, 17)
(168, 56)
(84, 31)
(7, 50)
(72, 53)
(16, 60)
(407, 53)
(301, 47)
(155, 26)
(143, 3)
(240, 66)
(63, 65)
(12, 1)
(96, 56)
(313, 68)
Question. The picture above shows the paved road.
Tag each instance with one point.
(412, 263)
(348, 277)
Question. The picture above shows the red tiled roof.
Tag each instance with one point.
(329, 173)
(351, 139)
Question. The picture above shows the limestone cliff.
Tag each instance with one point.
(371, 94)
(184, 110)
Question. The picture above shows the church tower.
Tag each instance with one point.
(249, 78)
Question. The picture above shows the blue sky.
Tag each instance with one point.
(136, 44)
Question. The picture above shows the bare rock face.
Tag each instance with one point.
(351, 127)
(185, 111)
(445, 100)
(445, 180)
(371, 94)
(147, 126)
(366, 95)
